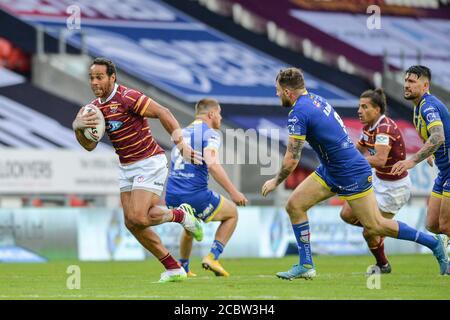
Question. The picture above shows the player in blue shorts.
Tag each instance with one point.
(343, 171)
(189, 184)
(432, 121)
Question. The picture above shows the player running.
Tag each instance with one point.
(432, 122)
(189, 183)
(382, 144)
(343, 171)
(143, 164)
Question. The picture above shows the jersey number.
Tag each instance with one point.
(327, 111)
(179, 161)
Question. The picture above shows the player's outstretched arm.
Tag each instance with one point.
(168, 121)
(433, 143)
(290, 162)
(219, 174)
(81, 122)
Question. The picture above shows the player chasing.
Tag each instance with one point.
(383, 145)
(143, 164)
(432, 122)
(343, 171)
(189, 183)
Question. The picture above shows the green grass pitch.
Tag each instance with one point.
(413, 277)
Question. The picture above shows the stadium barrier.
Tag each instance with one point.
(100, 234)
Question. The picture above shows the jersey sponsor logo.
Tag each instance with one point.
(432, 117)
(350, 188)
(214, 140)
(208, 209)
(292, 125)
(206, 212)
(112, 126)
(346, 144)
(214, 137)
(291, 130)
(446, 185)
(293, 120)
(158, 183)
(382, 139)
(428, 109)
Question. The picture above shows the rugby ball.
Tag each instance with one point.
(94, 134)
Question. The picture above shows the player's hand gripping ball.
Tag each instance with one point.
(94, 134)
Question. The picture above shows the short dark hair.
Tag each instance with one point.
(205, 104)
(291, 78)
(110, 67)
(377, 98)
(420, 71)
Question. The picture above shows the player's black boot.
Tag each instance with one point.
(383, 269)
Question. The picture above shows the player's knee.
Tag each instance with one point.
(231, 213)
(294, 209)
(347, 217)
(235, 213)
(444, 228)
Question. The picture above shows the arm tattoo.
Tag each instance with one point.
(433, 143)
(295, 148)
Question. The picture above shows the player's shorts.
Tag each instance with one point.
(441, 185)
(148, 174)
(347, 187)
(392, 195)
(205, 203)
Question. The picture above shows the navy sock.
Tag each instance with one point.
(301, 232)
(217, 249)
(185, 264)
(405, 232)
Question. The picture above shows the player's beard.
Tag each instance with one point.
(104, 91)
(285, 102)
(411, 96)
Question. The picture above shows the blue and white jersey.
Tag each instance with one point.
(186, 178)
(313, 119)
(430, 112)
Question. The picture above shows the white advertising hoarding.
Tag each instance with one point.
(96, 234)
(102, 235)
(261, 232)
(58, 171)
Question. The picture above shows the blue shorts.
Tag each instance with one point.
(206, 204)
(348, 187)
(441, 185)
